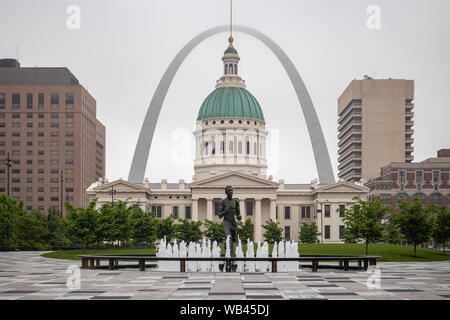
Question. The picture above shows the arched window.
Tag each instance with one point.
(206, 148)
(226, 69)
(419, 196)
(222, 147)
(240, 147)
(213, 149)
(248, 147)
(436, 196)
(254, 148)
(402, 196)
(231, 147)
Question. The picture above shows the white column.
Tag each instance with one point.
(194, 210)
(209, 209)
(242, 209)
(273, 210)
(258, 221)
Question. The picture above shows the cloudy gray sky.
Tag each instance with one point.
(123, 48)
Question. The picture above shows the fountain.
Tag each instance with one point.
(288, 249)
(239, 254)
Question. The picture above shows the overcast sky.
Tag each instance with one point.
(123, 47)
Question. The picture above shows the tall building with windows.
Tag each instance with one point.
(49, 128)
(375, 126)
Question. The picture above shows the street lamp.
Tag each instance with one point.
(67, 197)
(321, 219)
(8, 165)
(61, 193)
(112, 192)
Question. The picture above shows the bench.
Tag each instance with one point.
(362, 262)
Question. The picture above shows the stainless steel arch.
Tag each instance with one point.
(320, 150)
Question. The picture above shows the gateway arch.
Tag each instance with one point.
(320, 150)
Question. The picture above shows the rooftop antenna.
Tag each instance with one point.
(231, 18)
(17, 53)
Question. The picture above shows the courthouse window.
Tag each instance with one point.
(249, 207)
(327, 232)
(287, 212)
(157, 210)
(175, 211)
(341, 210)
(307, 211)
(287, 233)
(216, 207)
(188, 212)
(327, 210)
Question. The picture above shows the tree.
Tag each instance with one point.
(166, 228)
(308, 233)
(214, 231)
(114, 226)
(246, 230)
(362, 220)
(82, 223)
(56, 230)
(413, 222)
(441, 226)
(273, 231)
(32, 229)
(188, 230)
(391, 233)
(10, 211)
(142, 226)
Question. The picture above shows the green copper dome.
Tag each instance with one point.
(230, 102)
(230, 50)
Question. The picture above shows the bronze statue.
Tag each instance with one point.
(228, 208)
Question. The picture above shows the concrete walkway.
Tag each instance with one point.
(27, 275)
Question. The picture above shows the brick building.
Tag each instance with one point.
(427, 180)
(48, 125)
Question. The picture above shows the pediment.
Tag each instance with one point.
(343, 186)
(120, 185)
(234, 179)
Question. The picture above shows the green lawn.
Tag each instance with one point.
(389, 253)
(73, 254)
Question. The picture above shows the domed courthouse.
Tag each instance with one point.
(230, 149)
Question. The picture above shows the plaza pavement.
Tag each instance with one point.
(27, 275)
